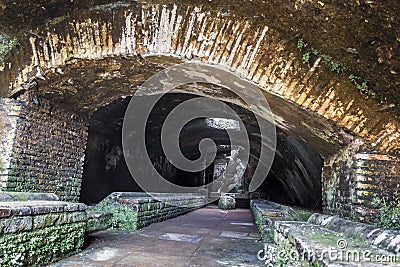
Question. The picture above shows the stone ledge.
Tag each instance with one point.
(24, 208)
(382, 238)
(142, 198)
(26, 196)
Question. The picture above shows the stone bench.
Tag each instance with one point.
(306, 244)
(133, 211)
(265, 213)
(294, 237)
(38, 232)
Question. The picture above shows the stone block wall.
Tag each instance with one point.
(43, 149)
(356, 178)
(34, 233)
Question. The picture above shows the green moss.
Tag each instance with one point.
(317, 264)
(389, 213)
(41, 246)
(326, 239)
(362, 85)
(300, 43)
(303, 215)
(124, 217)
(6, 45)
(306, 57)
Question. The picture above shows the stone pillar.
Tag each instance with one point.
(354, 178)
(43, 148)
(9, 112)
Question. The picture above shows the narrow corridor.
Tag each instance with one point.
(205, 237)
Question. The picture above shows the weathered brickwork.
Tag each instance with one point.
(39, 232)
(45, 151)
(353, 179)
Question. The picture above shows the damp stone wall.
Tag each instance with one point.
(42, 148)
(358, 180)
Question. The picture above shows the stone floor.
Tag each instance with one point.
(205, 237)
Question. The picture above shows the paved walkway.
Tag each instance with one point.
(205, 237)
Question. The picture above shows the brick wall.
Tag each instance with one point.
(355, 177)
(44, 151)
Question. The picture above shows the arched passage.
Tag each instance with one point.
(294, 178)
(84, 61)
(70, 70)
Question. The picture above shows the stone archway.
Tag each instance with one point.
(256, 52)
(66, 56)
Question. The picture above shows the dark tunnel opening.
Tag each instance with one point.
(294, 178)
